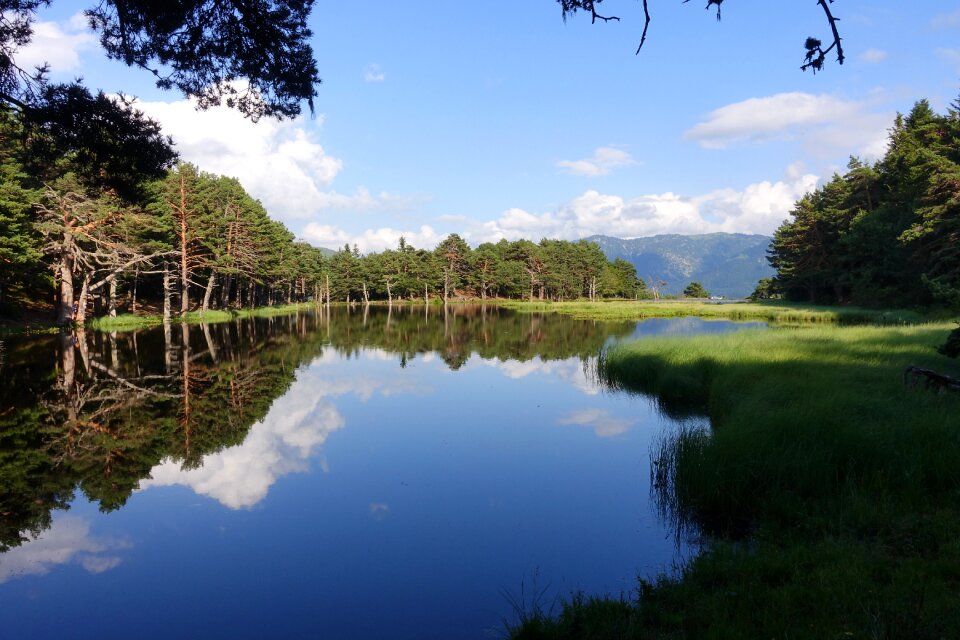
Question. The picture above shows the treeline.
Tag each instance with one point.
(882, 234)
(195, 241)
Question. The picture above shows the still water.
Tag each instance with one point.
(402, 473)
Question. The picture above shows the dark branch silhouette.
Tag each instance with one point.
(814, 58)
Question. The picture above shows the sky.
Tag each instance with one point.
(443, 117)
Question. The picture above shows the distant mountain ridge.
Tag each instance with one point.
(726, 264)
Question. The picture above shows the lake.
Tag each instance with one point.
(408, 472)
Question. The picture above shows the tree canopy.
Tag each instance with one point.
(252, 55)
(886, 233)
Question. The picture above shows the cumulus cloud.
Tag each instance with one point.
(67, 541)
(604, 160)
(371, 240)
(603, 424)
(758, 208)
(278, 162)
(373, 73)
(58, 44)
(873, 56)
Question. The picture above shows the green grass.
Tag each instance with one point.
(830, 490)
(130, 321)
(777, 312)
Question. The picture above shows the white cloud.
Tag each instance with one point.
(60, 45)
(758, 208)
(604, 160)
(373, 73)
(67, 540)
(603, 424)
(873, 56)
(761, 119)
(371, 240)
(824, 123)
(278, 162)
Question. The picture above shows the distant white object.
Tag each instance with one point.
(716, 297)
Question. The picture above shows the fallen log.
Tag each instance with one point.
(931, 379)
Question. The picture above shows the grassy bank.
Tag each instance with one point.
(831, 489)
(775, 312)
(130, 321)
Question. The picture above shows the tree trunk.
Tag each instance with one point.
(166, 293)
(225, 291)
(446, 285)
(209, 291)
(389, 295)
(366, 298)
(112, 302)
(67, 311)
(133, 292)
(81, 315)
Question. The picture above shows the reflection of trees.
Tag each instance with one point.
(457, 332)
(97, 411)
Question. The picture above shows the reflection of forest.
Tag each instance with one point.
(97, 411)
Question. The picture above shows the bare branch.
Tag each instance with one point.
(816, 54)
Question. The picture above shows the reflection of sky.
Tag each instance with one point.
(690, 326)
(284, 441)
(570, 370)
(603, 424)
(68, 541)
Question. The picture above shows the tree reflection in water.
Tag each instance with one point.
(96, 412)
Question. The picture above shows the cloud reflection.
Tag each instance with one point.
(67, 541)
(283, 443)
(570, 370)
(603, 424)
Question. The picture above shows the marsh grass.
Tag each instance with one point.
(829, 489)
(130, 321)
(774, 312)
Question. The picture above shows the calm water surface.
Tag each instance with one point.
(379, 474)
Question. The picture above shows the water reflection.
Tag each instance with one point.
(343, 474)
(67, 541)
(208, 406)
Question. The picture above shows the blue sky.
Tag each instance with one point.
(492, 123)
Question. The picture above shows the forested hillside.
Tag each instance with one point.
(883, 234)
(726, 264)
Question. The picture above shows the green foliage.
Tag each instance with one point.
(695, 290)
(951, 348)
(882, 234)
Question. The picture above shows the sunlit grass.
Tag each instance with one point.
(130, 321)
(774, 312)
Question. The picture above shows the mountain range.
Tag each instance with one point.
(726, 264)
